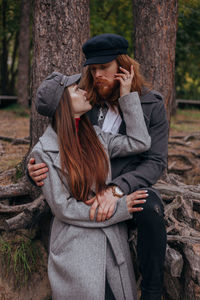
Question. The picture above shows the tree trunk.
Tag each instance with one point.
(60, 28)
(13, 72)
(4, 57)
(23, 64)
(155, 26)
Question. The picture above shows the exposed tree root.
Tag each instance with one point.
(14, 190)
(15, 141)
(179, 143)
(28, 217)
(182, 216)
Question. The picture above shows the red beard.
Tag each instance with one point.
(105, 88)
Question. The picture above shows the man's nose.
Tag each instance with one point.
(98, 73)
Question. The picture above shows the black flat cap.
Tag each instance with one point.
(50, 91)
(104, 48)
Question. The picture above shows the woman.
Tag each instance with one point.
(83, 253)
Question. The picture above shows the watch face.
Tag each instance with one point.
(118, 191)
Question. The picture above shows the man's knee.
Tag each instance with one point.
(152, 215)
(153, 204)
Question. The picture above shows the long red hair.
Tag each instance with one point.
(124, 61)
(83, 159)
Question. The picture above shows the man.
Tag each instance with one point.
(106, 56)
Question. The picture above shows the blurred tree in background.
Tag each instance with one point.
(9, 38)
(113, 16)
(188, 50)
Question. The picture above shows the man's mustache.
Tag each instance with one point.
(101, 81)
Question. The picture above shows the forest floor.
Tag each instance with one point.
(184, 142)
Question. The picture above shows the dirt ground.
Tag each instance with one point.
(13, 125)
(184, 143)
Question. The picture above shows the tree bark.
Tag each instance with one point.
(60, 28)
(23, 64)
(155, 26)
(4, 57)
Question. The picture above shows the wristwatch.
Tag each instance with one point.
(117, 192)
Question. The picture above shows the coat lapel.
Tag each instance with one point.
(146, 97)
(93, 115)
(49, 141)
(57, 161)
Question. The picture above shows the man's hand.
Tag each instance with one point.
(105, 202)
(125, 78)
(37, 172)
(136, 198)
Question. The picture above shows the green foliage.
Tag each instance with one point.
(189, 114)
(19, 259)
(9, 32)
(114, 16)
(12, 15)
(188, 50)
(19, 172)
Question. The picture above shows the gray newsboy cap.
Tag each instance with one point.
(50, 91)
(104, 48)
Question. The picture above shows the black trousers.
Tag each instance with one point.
(151, 245)
(109, 294)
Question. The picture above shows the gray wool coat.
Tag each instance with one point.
(83, 252)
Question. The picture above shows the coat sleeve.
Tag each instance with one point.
(153, 162)
(66, 208)
(137, 138)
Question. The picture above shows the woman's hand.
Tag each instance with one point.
(125, 78)
(103, 204)
(136, 198)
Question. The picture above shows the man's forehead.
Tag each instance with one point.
(100, 65)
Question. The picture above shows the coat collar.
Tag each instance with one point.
(49, 140)
(150, 96)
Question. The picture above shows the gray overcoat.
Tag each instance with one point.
(83, 252)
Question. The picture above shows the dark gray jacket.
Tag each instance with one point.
(143, 170)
